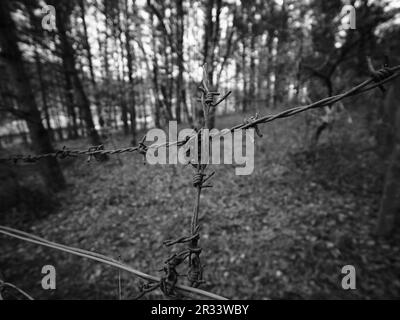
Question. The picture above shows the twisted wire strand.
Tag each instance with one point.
(99, 258)
(192, 253)
(381, 77)
(324, 102)
(86, 252)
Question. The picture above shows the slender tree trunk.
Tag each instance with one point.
(269, 69)
(389, 212)
(121, 81)
(43, 94)
(106, 73)
(166, 83)
(211, 38)
(252, 84)
(69, 62)
(180, 89)
(58, 128)
(59, 100)
(124, 107)
(90, 62)
(132, 109)
(158, 104)
(70, 105)
(244, 75)
(280, 87)
(49, 167)
(237, 86)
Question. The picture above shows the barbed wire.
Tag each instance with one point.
(378, 79)
(168, 283)
(192, 252)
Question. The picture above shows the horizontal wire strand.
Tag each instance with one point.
(360, 88)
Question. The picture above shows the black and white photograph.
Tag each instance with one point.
(179, 153)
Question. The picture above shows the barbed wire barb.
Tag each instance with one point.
(378, 78)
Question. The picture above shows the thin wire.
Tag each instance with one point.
(7, 284)
(98, 257)
(25, 234)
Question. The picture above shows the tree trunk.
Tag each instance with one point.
(121, 81)
(180, 90)
(211, 38)
(43, 94)
(269, 69)
(244, 75)
(167, 84)
(70, 104)
(90, 61)
(49, 167)
(132, 109)
(124, 107)
(389, 212)
(69, 63)
(158, 104)
(252, 85)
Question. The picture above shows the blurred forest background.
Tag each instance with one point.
(326, 183)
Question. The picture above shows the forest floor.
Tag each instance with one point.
(284, 231)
